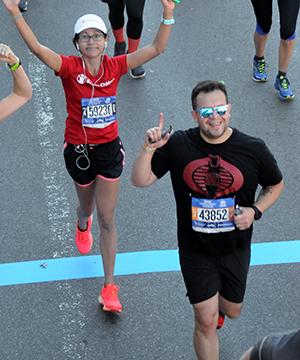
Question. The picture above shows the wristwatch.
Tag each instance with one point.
(257, 212)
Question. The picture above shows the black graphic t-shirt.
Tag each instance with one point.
(198, 169)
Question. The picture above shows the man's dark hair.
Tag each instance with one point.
(207, 86)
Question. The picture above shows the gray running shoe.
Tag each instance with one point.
(120, 48)
(23, 5)
(138, 72)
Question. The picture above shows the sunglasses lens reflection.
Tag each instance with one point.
(221, 110)
(208, 112)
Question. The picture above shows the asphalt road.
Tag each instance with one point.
(61, 320)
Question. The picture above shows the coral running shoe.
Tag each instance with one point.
(259, 71)
(282, 84)
(84, 238)
(108, 298)
(221, 320)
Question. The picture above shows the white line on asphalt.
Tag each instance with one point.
(72, 318)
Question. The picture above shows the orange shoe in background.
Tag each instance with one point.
(221, 320)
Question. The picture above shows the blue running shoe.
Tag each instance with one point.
(259, 70)
(282, 84)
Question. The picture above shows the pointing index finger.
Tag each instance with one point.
(161, 120)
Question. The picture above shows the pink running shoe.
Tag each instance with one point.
(84, 239)
(108, 298)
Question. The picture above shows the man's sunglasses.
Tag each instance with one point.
(207, 112)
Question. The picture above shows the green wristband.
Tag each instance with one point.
(15, 66)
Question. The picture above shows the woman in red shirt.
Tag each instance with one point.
(93, 152)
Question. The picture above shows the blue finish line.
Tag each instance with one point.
(81, 267)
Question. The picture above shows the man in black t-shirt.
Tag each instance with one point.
(276, 347)
(215, 171)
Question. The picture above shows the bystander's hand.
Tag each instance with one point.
(7, 55)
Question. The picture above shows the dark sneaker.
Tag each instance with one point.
(23, 5)
(138, 72)
(282, 84)
(120, 48)
(221, 320)
(259, 71)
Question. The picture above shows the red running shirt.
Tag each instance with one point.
(73, 77)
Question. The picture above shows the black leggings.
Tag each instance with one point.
(288, 13)
(134, 9)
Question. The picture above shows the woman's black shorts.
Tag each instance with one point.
(87, 162)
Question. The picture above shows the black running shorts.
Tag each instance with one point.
(87, 162)
(205, 275)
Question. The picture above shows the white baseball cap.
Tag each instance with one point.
(90, 21)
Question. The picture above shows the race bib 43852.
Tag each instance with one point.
(213, 215)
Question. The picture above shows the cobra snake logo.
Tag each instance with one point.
(213, 176)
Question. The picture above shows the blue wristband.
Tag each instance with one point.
(167, 21)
